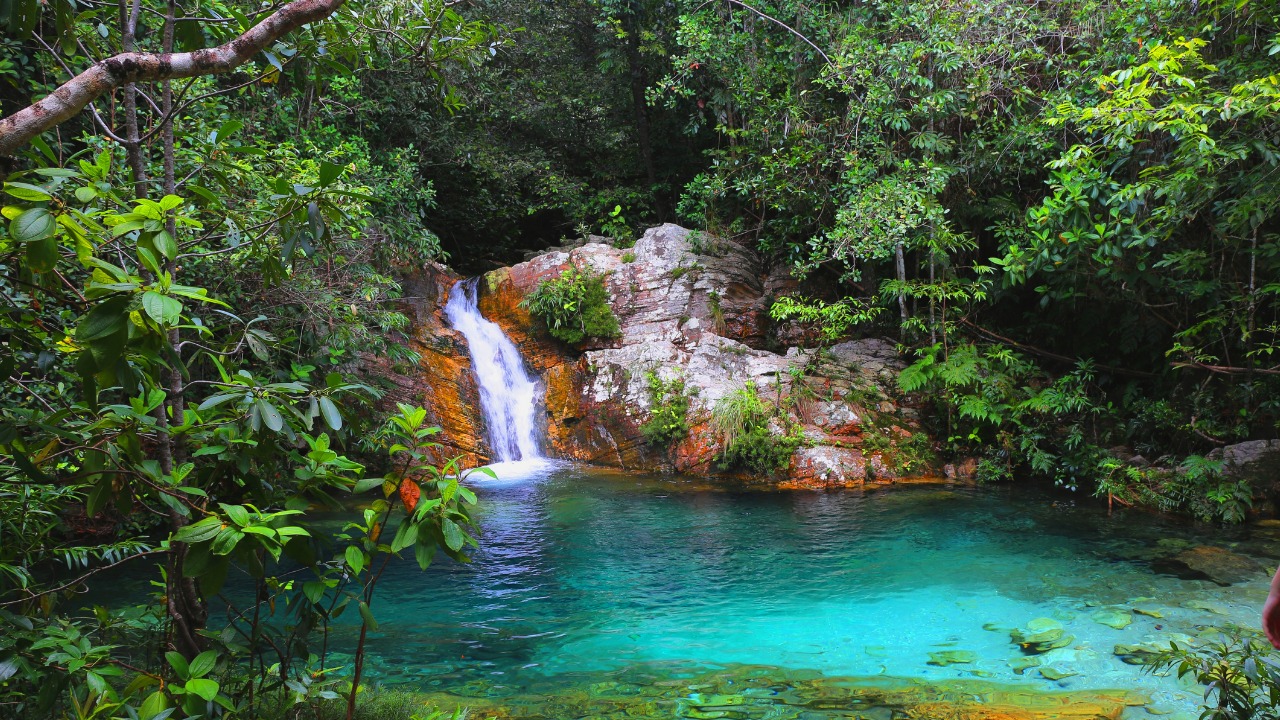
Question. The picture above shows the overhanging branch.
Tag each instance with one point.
(19, 128)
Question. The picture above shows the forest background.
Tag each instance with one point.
(1065, 211)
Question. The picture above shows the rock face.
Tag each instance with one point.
(1257, 461)
(442, 380)
(694, 309)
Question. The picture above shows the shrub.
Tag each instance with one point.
(741, 419)
(669, 410)
(574, 306)
(1240, 672)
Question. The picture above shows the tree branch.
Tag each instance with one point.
(103, 76)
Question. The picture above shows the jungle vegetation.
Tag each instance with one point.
(1066, 212)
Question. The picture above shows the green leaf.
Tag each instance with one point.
(162, 308)
(165, 244)
(405, 536)
(42, 255)
(366, 485)
(199, 531)
(24, 191)
(355, 559)
(424, 553)
(226, 541)
(329, 411)
(216, 400)
(179, 664)
(155, 704)
(314, 590)
(237, 513)
(453, 535)
(33, 224)
(270, 415)
(204, 689)
(329, 172)
(86, 194)
(105, 330)
(367, 615)
(203, 663)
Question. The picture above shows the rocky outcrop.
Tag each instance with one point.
(441, 380)
(1257, 461)
(695, 309)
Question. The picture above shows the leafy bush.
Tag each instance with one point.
(669, 408)
(831, 320)
(1240, 671)
(741, 419)
(574, 306)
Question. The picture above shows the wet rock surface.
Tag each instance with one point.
(441, 380)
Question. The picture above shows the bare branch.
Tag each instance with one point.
(103, 76)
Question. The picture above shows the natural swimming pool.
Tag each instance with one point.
(599, 594)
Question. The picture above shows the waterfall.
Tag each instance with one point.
(508, 395)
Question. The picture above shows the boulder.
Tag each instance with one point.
(1257, 461)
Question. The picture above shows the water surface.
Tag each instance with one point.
(587, 578)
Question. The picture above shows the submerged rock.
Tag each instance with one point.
(1211, 563)
(1118, 619)
(1020, 665)
(1040, 636)
(1050, 672)
(943, 658)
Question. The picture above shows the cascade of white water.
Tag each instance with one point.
(509, 397)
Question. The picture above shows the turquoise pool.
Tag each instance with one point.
(596, 581)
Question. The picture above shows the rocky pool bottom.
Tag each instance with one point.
(596, 594)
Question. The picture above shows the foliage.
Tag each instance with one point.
(574, 306)
(668, 421)
(743, 421)
(832, 320)
(1239, 670)
(187, 288)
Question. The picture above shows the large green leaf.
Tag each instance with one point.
(203, 664)
(367, 615)
(355, 558)
(42, 255)
(162, 308)
(226, 541)
(33, 224)
(204, 689)
(105, 330)
(270, 415)
(24, 191)
(405, 536)
(329, 411)
(453, 536)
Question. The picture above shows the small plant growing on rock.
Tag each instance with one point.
(669, 408)
(717, 312)
(574, 306)
(741, 419)
(628, 257)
